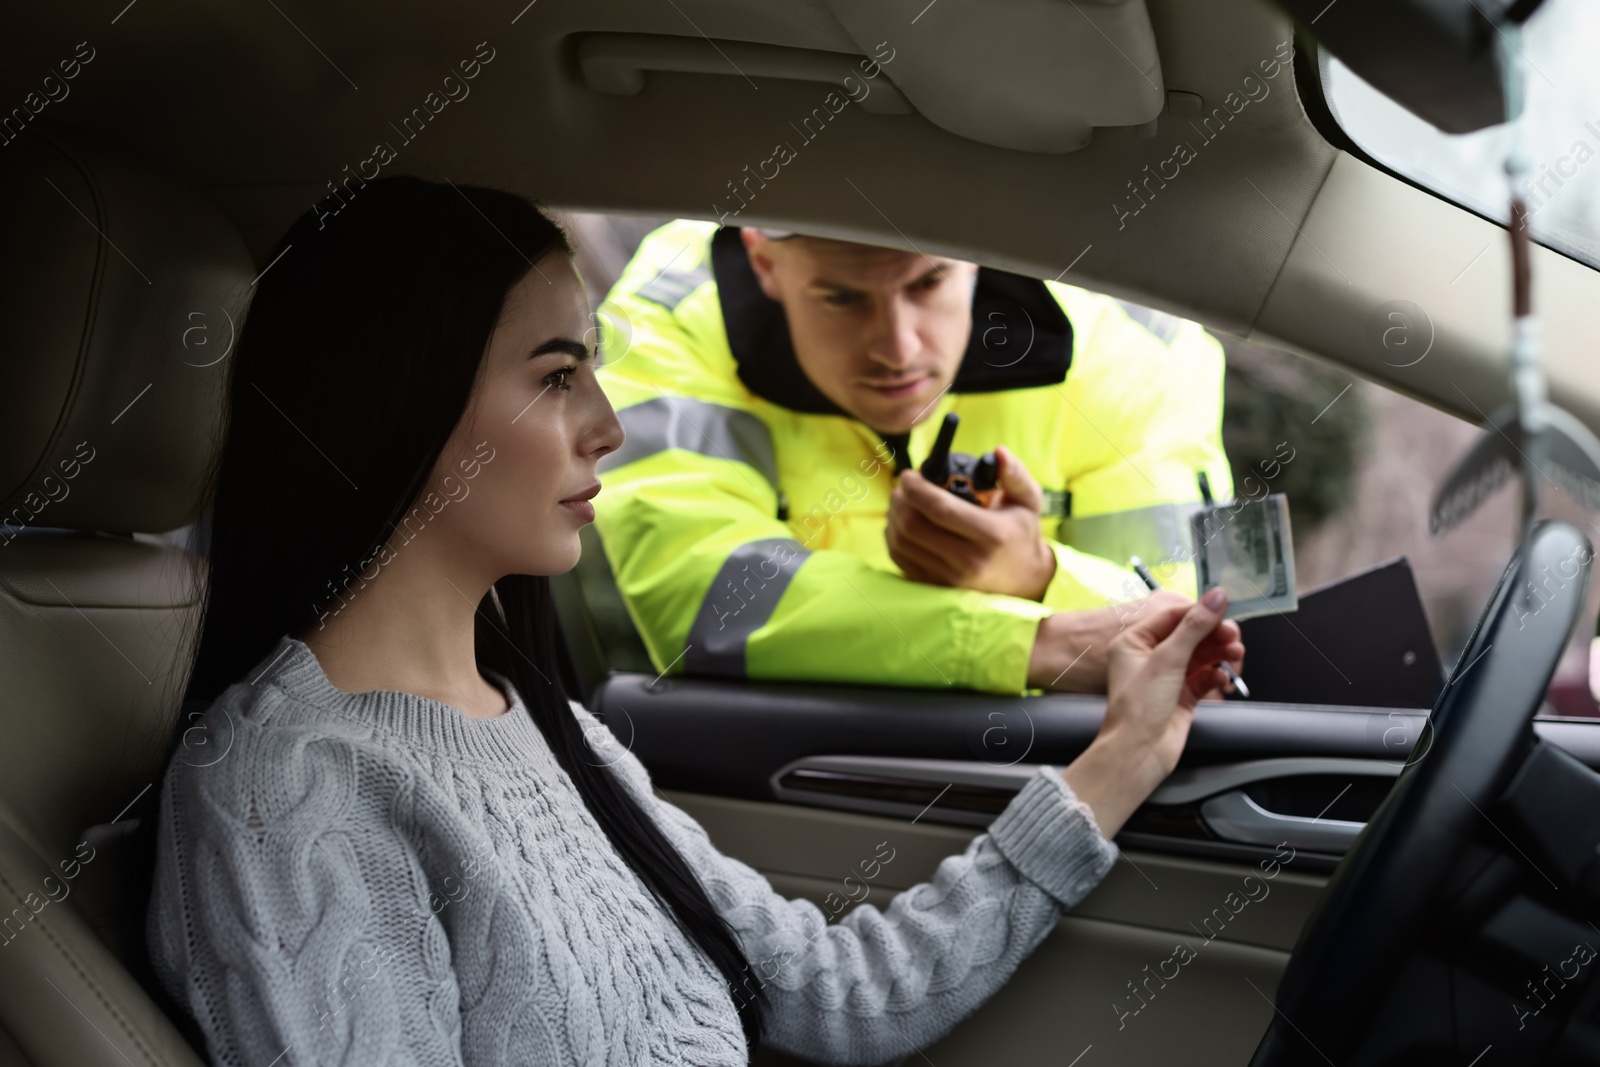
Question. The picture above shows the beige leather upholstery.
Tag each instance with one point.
(117, 290)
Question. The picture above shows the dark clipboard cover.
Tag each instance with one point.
(1363, 640)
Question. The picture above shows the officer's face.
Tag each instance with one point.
(879, 331)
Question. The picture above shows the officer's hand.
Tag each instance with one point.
(936, 537)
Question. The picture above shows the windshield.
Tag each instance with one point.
(1561, 42)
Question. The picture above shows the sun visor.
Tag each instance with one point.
(1031, 75)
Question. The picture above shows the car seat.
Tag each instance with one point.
(120, 294)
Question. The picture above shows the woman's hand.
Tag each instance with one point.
(1158, 668)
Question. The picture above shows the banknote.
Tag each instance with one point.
(1246, 548)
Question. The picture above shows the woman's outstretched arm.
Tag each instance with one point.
(880, 984)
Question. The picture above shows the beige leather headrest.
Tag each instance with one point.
(120, 298)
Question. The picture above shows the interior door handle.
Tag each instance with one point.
(1233, 816)
(615, 64)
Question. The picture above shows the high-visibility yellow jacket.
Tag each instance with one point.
(744, 515)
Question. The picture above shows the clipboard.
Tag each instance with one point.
(1363, 641)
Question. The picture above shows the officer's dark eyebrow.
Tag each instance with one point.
(838, 288)
(933, 273)
(576, 349)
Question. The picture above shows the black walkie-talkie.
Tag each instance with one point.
(974, 479)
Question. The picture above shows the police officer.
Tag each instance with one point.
(764, 517)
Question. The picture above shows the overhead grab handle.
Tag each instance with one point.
(615, 64)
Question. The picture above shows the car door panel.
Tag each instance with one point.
(1074, 988)
(820, 849)
(1070, 1002)
(745, 731)
(844, 795)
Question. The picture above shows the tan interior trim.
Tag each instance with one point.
(1371, 239)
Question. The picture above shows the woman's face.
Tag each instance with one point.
(524, 454)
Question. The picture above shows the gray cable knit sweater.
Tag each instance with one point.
(376, 878)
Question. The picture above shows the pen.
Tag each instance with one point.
(1150, 582)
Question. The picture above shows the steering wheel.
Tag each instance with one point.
(1370, 914)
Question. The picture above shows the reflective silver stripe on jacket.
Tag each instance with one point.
(673, 285)
(741, 599)
(1157, 534)
(1159, 323)
(684, 422)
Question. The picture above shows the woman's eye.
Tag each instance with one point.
(559, 379)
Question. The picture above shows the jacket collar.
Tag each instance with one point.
(1020, 336)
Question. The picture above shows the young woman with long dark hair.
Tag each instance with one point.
(386, 836)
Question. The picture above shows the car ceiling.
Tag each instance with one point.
(1269, 232)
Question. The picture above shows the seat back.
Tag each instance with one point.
(119, 298)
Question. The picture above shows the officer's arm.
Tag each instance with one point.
(1146, 407)
(717, 584)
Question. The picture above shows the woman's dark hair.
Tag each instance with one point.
(356, 362)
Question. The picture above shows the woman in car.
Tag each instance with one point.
(390, 837)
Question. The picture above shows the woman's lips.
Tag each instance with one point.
(580, 506)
